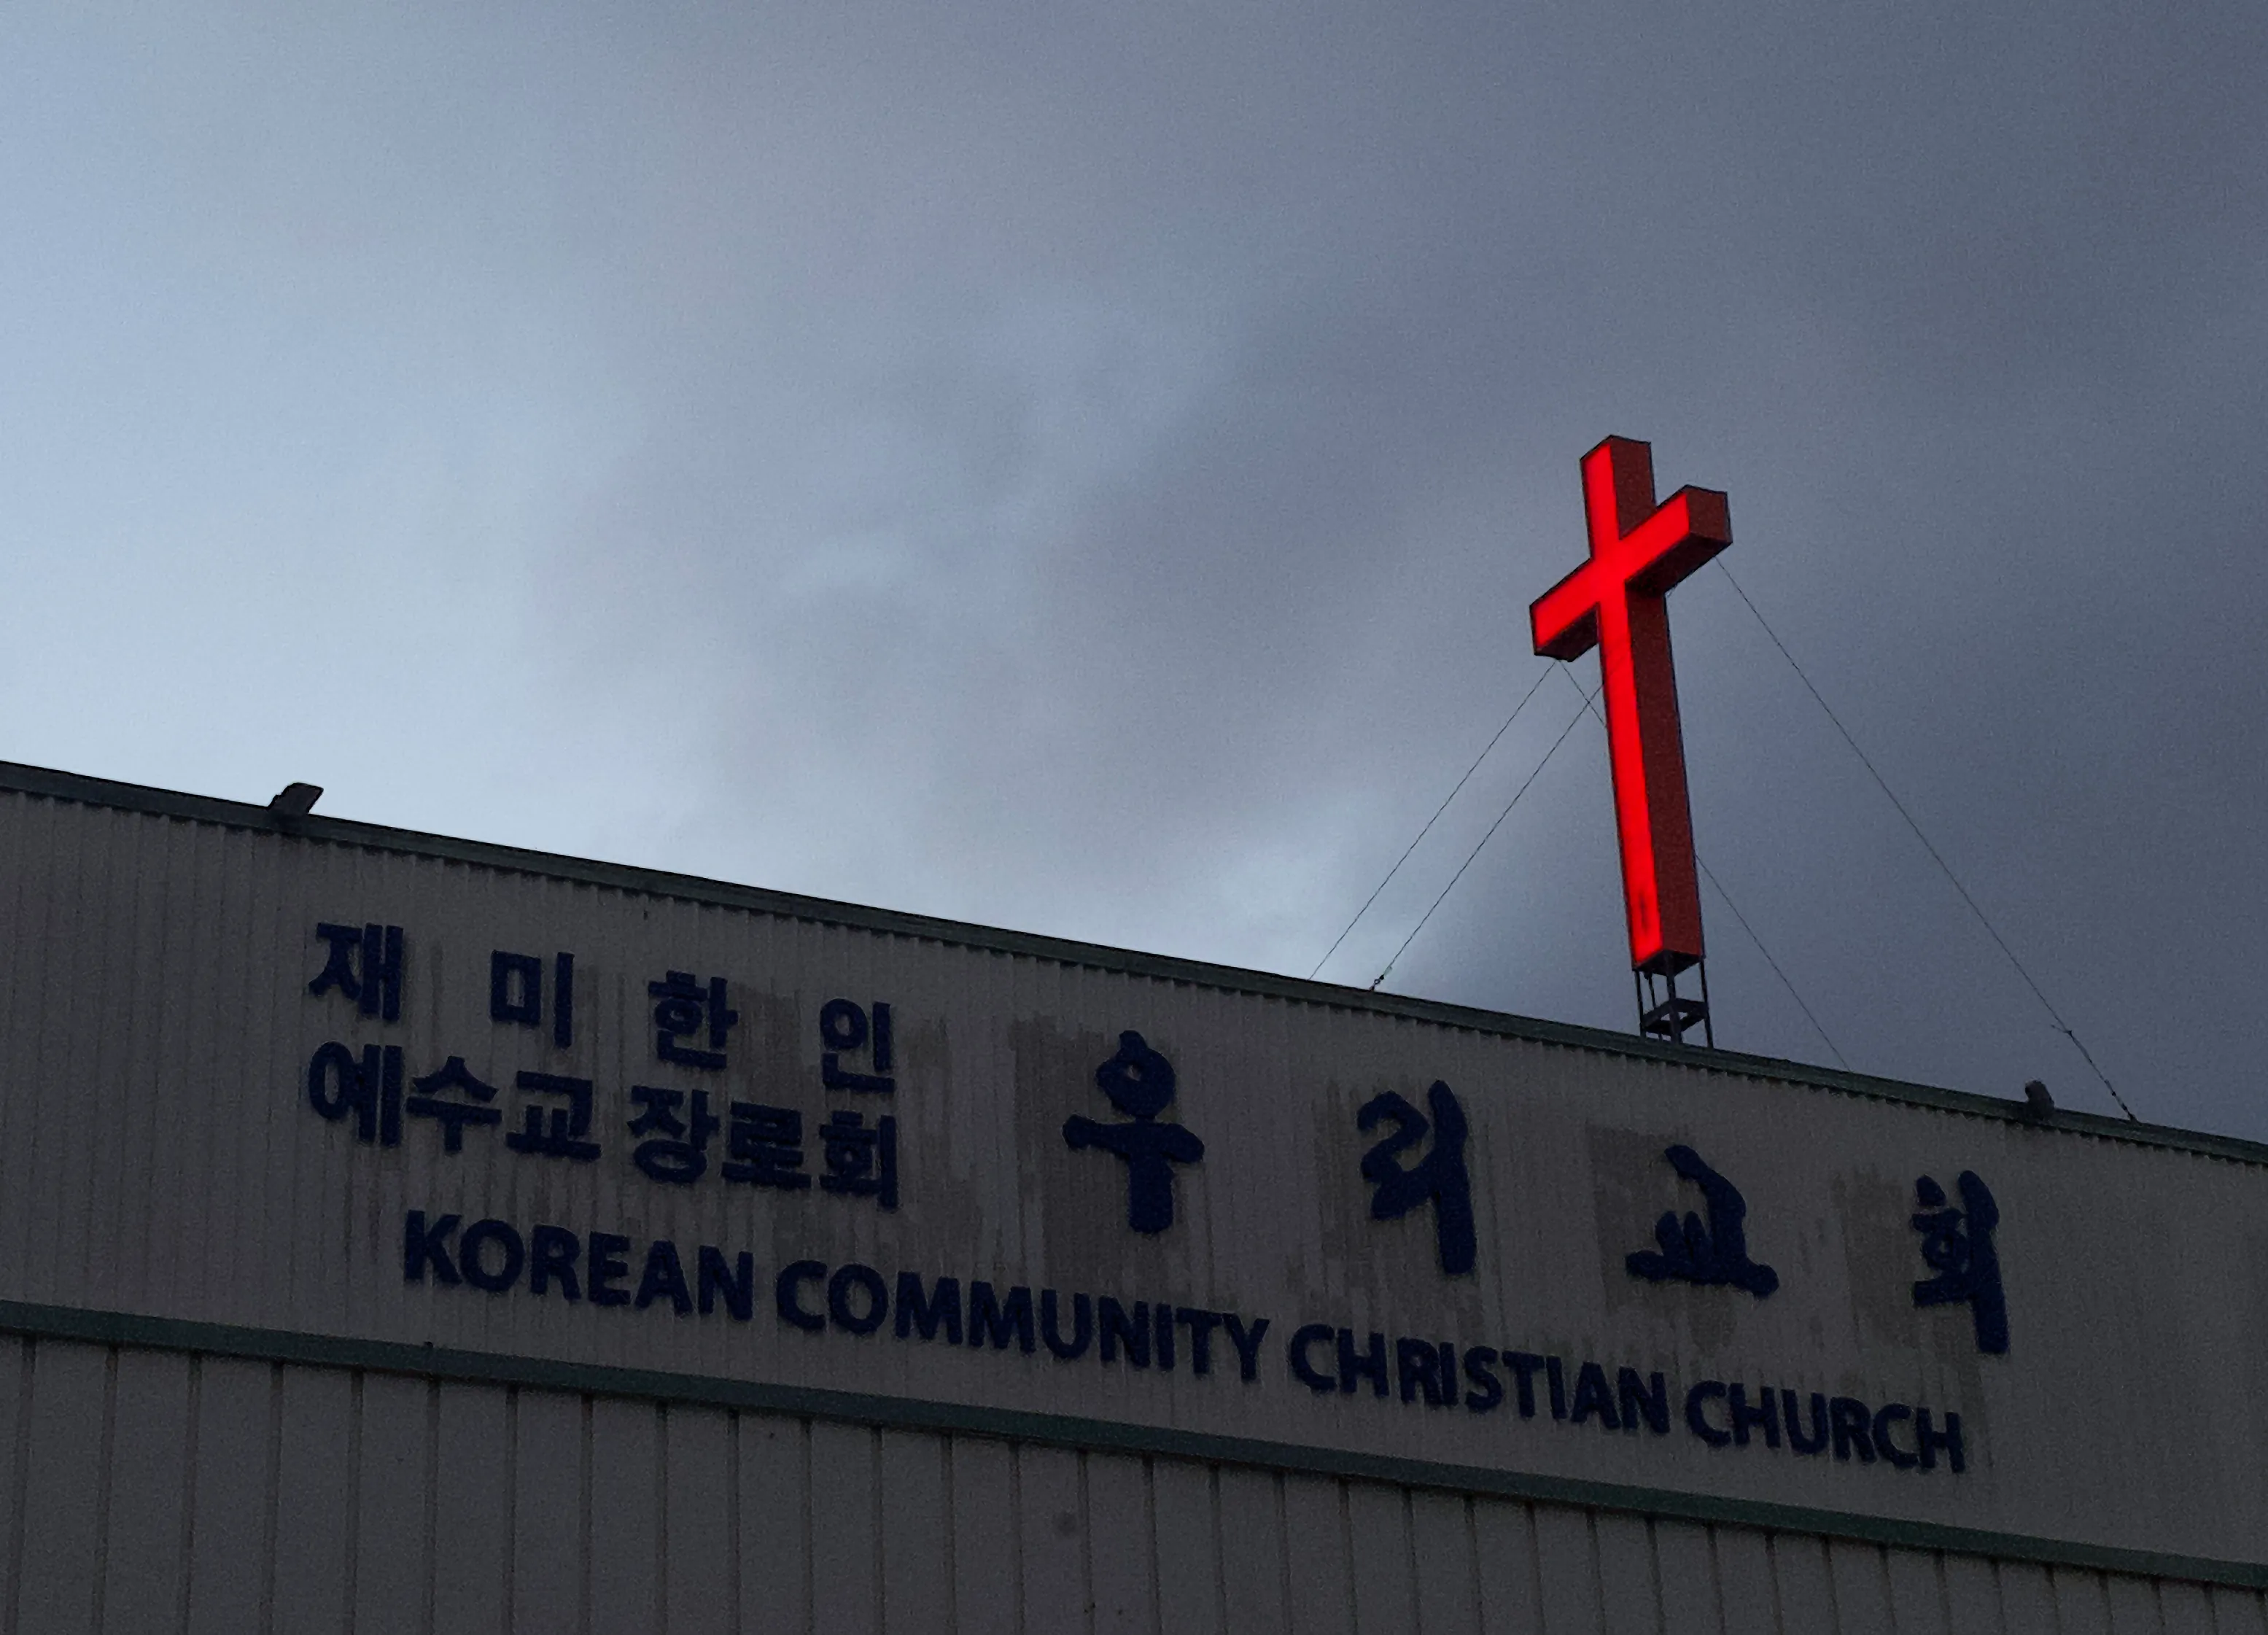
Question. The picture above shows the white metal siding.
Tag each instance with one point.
(157, 1156)
(158, 1161)
(147, 1490)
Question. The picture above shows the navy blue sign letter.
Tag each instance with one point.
(1437, 1178)
(1959, 1244)
(1694, 1253)
(1139, 1082)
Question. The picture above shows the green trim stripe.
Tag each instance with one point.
(126, 1328)
(41, 783)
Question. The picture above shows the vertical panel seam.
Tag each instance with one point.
(659, 1623)
(733, 1432)
(1717, 1579)
(350, 1585)
(1410, 1555)
(2101, 1585)
(1654, 1570)
(511, 1509)
(1220, 1549)
(880, 1564)
(658, 1613)
(22, 1479)
(583, 1519)
(2000, 1594)
(1150, 1539)
(1473, 1604)
(952, 1542)
(432, 1506)
(1016, 1530)
(188, 1597)
(1346, 1551)
(1535, 1556)
(809, 1545)
(1597, 1565)
(103, 1484)
(271, 1499)
(1085, 1539)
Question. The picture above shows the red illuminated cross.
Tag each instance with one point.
(1618, 601)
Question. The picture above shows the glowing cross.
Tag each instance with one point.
(1618, 601)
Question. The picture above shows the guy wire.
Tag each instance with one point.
(1882, 783)
(1429, 821)
(1492, 828)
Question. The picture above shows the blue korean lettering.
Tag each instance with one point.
(364, 962)
(431, 1101)
(1439, 1178)
(1139, 1083)
(1958, 1244)
(846, 1029)
(861, 1162)
(555, 1132)
(685, 1008)
(516, 992)
(764, 1147)
(1693, 1252)
(369, 1086)
(675, 1150)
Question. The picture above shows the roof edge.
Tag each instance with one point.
(44, 782)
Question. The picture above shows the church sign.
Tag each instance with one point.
(341, 1086)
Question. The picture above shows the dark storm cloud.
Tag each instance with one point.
(1086, 470)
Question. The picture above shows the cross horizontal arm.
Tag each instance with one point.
(1692, 526)
(1565, 620)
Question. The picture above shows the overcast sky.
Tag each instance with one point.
(1084, 468)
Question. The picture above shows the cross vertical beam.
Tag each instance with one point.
(1618, 601)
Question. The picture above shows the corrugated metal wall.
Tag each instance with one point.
(152, 1490)
(160, 1158)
